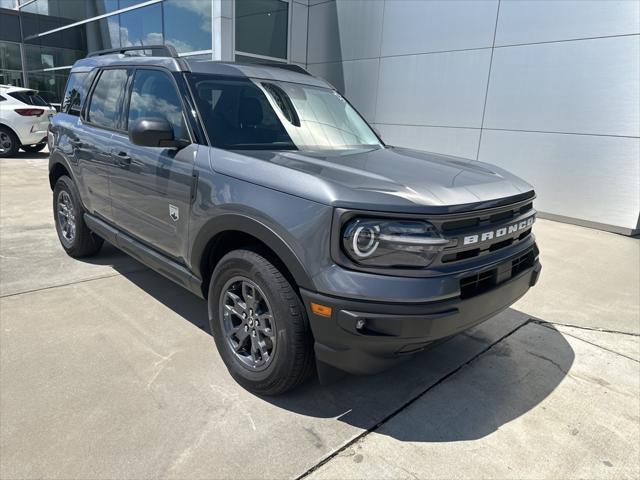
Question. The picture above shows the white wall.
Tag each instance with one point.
(549, 90)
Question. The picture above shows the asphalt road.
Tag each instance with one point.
(107, 370)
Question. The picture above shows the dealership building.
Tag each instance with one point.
(549, 90)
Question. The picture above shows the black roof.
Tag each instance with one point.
(165, 56)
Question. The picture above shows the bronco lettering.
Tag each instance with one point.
(483, 237)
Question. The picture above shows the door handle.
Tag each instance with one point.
(122, 159)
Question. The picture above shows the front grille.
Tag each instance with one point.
(522, 263)
(459, 226)
(485, 281)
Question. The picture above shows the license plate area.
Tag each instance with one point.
(486, 280)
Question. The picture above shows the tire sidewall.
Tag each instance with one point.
(15, 143)
(64, 183)
(238, 265)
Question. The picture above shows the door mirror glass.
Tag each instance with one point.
(153, 132)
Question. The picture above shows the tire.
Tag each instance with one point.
(74, 235)
(33, 148)
(9, 143)
(290, 359)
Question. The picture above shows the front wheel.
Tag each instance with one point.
(259, 324)
(74, 235)
(33, 148)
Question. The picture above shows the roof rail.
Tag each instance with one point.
(156, 51)
(285, 66)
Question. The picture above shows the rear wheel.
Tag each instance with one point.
(74, 235)
(259, 324)
(9, 143)
(33, 148)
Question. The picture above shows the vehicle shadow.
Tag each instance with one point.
(112, 256)
(470, 385)
(466, 392)
(20, 155)
(181, 301)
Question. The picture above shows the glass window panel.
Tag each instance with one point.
(103, 34)
(70, 11)
(29, 98)
(325, 119)
(261, 27)
(75, 10)
(50, 85)
(97, 35)
(105, 101)
(11, 77)
(72, 38)
(75, 91)
(31, 8)
(128, 3)
(30, 27)
(44, 15)
(9, 26)
(237, 115)
(187, 24)
(142, 26)
(39, 58)
(7, 3)
(154, 96)
(32, 55)
(40, 18)
(10, 56)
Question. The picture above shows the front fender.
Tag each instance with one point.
(256, 228)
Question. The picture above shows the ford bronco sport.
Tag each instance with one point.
(262, 190)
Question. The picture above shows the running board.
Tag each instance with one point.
(152, 259)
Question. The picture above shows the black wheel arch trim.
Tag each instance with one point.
(267, 235)
(56, 158)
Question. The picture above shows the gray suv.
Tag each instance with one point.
(261, 189)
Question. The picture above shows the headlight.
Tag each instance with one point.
(391, 243)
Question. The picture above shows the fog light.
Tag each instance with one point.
(360, 324)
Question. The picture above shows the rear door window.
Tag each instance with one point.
(106, 100)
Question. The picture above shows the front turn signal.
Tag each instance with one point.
(321, 310)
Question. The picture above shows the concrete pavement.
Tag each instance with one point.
(107, 371)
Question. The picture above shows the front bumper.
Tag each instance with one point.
(366, 337)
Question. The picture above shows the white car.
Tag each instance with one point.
(24, 119)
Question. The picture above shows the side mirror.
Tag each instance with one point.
(153, 132)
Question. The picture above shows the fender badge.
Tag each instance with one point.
(174, 212)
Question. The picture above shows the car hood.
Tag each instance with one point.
(384, 179)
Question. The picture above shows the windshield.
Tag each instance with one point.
(271, 115)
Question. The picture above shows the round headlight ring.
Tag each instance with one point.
(371, 244)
